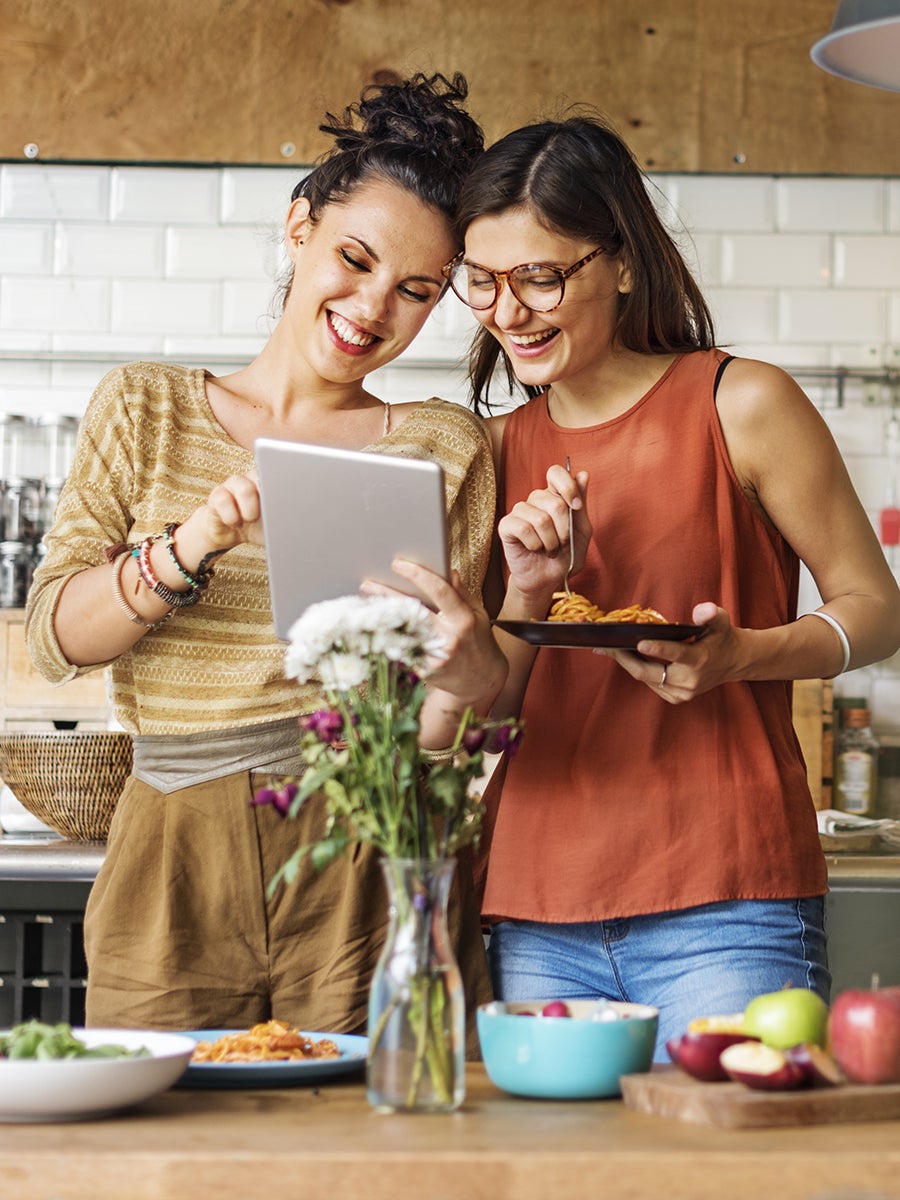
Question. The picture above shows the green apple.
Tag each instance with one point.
(791, 1017)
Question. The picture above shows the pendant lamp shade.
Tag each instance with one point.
(863, 44)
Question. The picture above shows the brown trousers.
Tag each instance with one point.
(179, 933)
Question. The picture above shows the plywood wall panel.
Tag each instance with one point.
(694, 85)
(767, 108)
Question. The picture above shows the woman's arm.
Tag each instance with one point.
(103, 611)
(793, 475)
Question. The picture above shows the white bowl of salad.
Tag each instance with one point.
(57, 1073)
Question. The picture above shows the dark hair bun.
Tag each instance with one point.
(424, 112)
(415, 133)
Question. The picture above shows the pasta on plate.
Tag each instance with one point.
(574, 607)
(271, 1041)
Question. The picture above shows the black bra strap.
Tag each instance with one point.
(718, 379)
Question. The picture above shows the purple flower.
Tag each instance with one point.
(326, 724)
(263, 796)
(284, 798)
(507, 740)
(280, 800)
(473, 738)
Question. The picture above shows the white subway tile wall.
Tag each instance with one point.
(100, 264)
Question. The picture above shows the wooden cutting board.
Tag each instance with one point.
(667, 1092)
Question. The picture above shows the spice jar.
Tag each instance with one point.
(856, 776)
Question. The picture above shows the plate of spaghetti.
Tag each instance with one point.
(574, 622)
(271, 1054)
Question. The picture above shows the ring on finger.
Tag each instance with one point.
(662, 683)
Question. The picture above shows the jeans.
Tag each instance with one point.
(691, 963)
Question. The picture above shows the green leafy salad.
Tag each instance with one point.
(33, 1039)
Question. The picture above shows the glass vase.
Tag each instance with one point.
(416, 1059)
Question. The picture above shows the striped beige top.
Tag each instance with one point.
(150, 451)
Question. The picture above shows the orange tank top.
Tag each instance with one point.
(618, 803)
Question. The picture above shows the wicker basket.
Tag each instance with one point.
(71, 781)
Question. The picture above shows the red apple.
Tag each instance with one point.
(697, 1053)
(864, 1034)
(762, 1067)
(556, 1008)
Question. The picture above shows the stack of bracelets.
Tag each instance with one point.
(197, 580)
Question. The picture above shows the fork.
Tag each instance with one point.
(571, 538)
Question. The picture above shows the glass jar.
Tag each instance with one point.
(21, 511)
(856, 777)
(15, 572)
(13, 438)
(58, 434)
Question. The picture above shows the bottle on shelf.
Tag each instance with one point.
(856, 773)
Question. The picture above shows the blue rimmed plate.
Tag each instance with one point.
(287, 1073)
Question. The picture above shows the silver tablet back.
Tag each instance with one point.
(333, 518)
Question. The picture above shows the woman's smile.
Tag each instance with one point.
(531, 344)
(348, 336)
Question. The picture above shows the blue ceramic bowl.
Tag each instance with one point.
(565, 1058)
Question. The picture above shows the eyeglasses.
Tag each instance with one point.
(536, 285)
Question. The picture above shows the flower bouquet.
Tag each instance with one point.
(371, 655)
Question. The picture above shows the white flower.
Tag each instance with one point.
(341, 672)
(336, 639)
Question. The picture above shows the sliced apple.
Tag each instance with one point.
(819, 1067)
(762, 1067)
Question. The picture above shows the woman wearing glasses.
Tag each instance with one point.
(654, 839)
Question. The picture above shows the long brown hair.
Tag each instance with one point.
(579, 179)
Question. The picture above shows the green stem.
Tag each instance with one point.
(375, 1039)
(431, 1049)
(439, 1059)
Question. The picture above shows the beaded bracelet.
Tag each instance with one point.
(166, 594)
(130, 613)
(169, 539)
(203, 574)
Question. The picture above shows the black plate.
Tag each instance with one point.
(576, 635)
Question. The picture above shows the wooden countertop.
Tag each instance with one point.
(326, 1142)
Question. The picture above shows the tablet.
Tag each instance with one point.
(333, 518)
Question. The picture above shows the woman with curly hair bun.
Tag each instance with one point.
(178, 932)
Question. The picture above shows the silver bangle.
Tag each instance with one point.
(842, 636)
